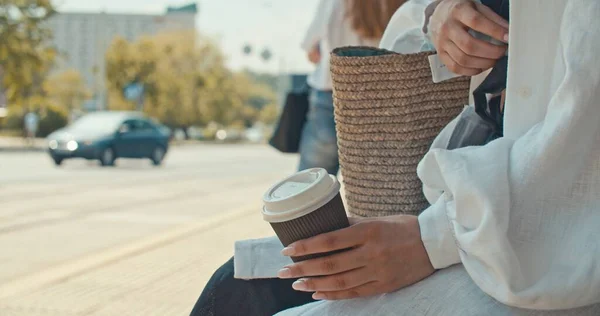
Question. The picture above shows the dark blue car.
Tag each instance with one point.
(106, 136)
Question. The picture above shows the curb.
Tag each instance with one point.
(22, 149)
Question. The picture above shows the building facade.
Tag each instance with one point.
(82, 40)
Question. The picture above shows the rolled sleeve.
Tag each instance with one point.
(437, 236)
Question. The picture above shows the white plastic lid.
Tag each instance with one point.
(298, 195)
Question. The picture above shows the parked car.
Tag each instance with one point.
(254, 135)
(106, 136)
(229, 136)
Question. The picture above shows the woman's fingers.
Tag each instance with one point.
(457, 68)
(330, 265)
(314, 56)
(493, 16)
(336, 240)
(334, 283)
(467, 61)
(463, 53)
(473, 46)
(474, 18)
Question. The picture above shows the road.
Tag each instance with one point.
(128, 240)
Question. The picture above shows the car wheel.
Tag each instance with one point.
(57, 161)
(158, 154)
(107, 157)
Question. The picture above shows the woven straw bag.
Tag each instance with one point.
(388, 112)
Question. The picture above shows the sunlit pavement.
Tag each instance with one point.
(128, 240)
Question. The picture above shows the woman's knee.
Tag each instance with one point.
(225, 272)
(225, 295)
(206, 304)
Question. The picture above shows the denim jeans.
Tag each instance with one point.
(318, 146)
(226, 296)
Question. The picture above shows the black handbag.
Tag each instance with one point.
(288, 132)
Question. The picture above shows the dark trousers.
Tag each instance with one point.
(226, 296)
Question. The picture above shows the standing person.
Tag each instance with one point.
(31, 122)
(337, 23)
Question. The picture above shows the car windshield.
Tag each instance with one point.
(98, 123)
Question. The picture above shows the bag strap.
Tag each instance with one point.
(491, 110)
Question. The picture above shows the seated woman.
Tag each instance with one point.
(513, 226)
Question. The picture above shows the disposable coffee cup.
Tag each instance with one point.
(305, 205)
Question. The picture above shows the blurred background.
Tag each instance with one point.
(194, 86)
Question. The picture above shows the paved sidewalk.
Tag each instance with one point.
(15, 144)
(129, 240)
(163, 279)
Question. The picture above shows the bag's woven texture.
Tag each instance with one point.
(388, 112)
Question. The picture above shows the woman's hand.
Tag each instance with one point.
(314, 56)
(462, 53)
(385, 254)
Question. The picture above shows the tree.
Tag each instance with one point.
(269, 114)
(67, 89)
(272, 81)
(254, 95)
(24, 56)
(186, 81)
(173, 68)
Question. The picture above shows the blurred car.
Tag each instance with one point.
(229, 135)
(196, 133)
(178, 134)
(254, 135)
(106, 136)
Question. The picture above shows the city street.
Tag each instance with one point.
(128, 240)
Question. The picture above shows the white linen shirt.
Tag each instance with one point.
(522, 214)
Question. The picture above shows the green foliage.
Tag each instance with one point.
(24, 56)
(67, 89)
(269, 114)
(59, 95)
(186, 81)
(25, 61)
(52, 118)
(14, 121)
(272, 81)
(211, 130)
